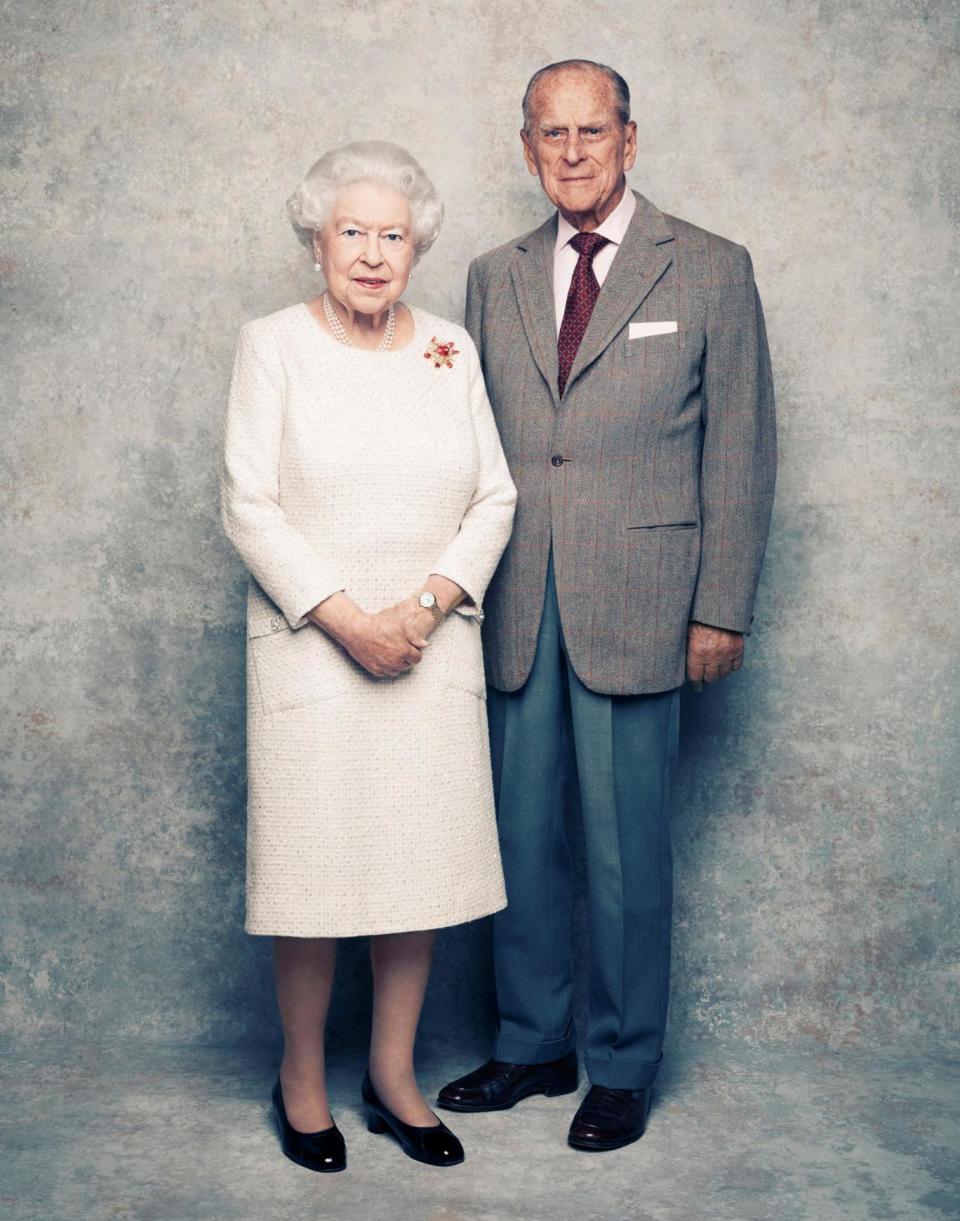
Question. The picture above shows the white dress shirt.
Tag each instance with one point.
(565, 256)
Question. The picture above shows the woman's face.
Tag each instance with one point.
(366, 247)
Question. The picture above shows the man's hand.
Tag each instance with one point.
(712, 653)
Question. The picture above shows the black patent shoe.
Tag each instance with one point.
(435, 1145)
(324, 1150)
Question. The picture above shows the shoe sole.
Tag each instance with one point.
(310, 1165)
(598, 1147)
(547, 1091)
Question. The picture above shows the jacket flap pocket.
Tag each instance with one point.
(686, 524)
(266, 625)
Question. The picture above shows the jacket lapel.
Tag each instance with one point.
(532, 273)
(643, 257)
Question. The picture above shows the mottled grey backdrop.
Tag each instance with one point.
(148, 150)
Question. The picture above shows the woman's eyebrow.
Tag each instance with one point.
(363, 224)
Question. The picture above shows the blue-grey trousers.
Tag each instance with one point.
(621, 751)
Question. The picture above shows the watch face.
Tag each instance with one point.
(427, 600)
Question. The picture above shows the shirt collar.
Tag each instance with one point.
(614, 228)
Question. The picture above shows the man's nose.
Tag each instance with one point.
(571, 150)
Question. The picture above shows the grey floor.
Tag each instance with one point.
(177, 1132)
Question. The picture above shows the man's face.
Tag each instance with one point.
(578, 146)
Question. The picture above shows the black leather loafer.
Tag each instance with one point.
(324, 1150)
(498, 1085)
(435, 1145)
(610, 1119)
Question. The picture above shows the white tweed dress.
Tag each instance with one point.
(370, 804)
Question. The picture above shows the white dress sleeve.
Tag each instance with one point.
(281, 559)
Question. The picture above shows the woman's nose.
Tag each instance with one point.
(372, 255)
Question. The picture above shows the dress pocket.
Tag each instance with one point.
(294, 669)
(464, 654)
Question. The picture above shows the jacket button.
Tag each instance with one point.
(557, 460)
(275, 623)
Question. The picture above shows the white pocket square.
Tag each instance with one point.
(640, 330)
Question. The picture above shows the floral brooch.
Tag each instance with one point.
(441, 353)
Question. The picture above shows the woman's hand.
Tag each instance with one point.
(415, 621)
(391, 641)
(386, 643)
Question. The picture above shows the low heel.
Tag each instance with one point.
(557, 1091)
(432, 1144)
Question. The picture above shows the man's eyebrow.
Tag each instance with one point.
(581, 127)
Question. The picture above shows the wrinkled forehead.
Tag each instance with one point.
(376, 204)
(581, 93)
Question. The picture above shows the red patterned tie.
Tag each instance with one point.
(581, 299)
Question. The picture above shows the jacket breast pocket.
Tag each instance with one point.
(293, 669)
(651, 351)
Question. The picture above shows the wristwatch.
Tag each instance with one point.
(429, 602)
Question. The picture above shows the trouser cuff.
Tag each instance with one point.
(618, 1074)
(529, 1051)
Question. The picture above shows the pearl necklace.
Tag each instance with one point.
(333, 321)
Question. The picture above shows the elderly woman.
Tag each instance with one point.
(364, 486)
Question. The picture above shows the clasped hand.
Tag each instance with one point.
(390, 641)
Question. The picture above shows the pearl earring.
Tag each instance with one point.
(316, 266)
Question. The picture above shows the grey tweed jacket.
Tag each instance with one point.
(653, 475)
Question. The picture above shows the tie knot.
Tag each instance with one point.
(588, 243)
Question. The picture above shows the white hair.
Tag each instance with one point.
(366, 161)
(621, 90)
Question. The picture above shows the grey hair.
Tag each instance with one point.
(366, 161)
(621, 90)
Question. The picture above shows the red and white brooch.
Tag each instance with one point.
(441, 353)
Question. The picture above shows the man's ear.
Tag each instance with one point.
(527, 154)
(630, 147)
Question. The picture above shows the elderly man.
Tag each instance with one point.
(626, 358)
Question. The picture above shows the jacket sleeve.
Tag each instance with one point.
(278, 555)
(474, 309)
(739, 455)
(472, 556)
